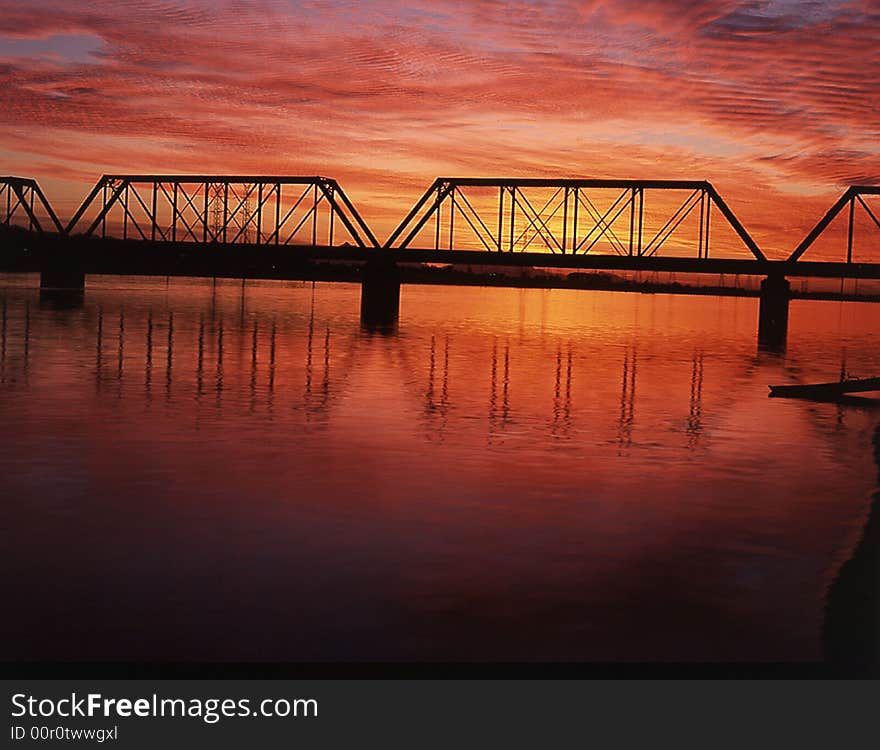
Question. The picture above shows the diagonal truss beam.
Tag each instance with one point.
(201, 210)
(519, 222)
(441, 189)
(211, 208)
(22, 193)
(850, 196)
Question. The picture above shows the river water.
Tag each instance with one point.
(207, 471)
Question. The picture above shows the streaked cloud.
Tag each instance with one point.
(775, 101)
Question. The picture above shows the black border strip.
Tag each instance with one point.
(434, 671)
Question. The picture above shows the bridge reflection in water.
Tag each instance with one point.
(156, 337)
(524, 474)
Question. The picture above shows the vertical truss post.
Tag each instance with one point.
(104, 210)
(277, 213)
(574, 228)
(632, 218)
(439, 205)
(706, 240)
(332, 218)
(500, 215)
(849, 234)
(174, 213)
(259, 211)
(315, 216)
(225, 211)
(125, 212)
(153, 218)
(641, 218)
(564, 218)
(206, 212)
(451, 216)
(512, 214)
(702, 212)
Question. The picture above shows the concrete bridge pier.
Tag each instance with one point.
(773, 313)
(380, 295)
(62, 278)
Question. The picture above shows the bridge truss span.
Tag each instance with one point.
(856, 201)
(258, 210)
(633, 218)
(22, 203)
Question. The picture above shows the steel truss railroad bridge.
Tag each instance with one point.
(590, 224)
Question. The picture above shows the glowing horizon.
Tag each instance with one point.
(772, 101)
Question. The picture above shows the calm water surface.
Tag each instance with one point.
(192, 470)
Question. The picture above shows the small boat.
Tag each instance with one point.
(826, 390)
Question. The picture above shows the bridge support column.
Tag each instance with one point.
(380, 295)
(62, 278)
(773, 313)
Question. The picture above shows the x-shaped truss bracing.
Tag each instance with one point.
(257, 210)
(562, 216)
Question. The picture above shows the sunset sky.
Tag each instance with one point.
(776, 102)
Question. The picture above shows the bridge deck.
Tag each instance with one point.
(754, 267)
(97, 253)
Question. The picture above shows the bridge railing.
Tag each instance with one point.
(569, 216)
(22, 203)
(241, 209)
(854, 199)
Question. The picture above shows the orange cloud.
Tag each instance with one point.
(773, 101)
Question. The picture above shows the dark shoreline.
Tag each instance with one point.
(326, 272)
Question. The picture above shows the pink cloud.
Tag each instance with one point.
(775, 104)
